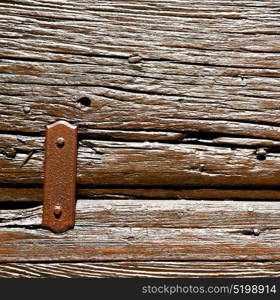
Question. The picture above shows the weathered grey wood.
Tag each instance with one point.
(158, 213)
(129, 269)
(110, 230)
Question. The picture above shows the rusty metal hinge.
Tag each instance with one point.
(60, 177)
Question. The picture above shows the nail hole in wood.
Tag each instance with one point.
(255, 232)
(85, 101)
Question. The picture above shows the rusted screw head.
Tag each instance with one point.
(60, 142)
(26, 109)
(57, 211)
(261, 152)
(256, 231)
(250, 209)
(11, 153)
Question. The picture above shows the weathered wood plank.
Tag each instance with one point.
(115, 163)
(130, 269)
(201, 78)
(202, 81)
(157, 213)
(110, 230)
(187, 66)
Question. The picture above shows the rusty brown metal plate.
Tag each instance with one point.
(60, 177)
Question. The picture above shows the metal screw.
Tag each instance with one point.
(26, 109)
(11, 153)
(256, 231)
(60, 142)
(250, 209)
(57, 211)
(261, 152)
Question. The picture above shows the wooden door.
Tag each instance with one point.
(177, 106)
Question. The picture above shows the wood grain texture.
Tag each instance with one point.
(144, 164)
(208, 66)
(121, 230)
(173, 99)
(132, 269)
(186, 101)
(176, 93)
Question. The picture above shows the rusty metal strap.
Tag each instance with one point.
(60, 177)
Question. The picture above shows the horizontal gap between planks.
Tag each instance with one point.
(34, 193)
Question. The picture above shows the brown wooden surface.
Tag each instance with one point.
(120, 230)
(174, 101)
(203, 65)
(187, 90)
(146, 164)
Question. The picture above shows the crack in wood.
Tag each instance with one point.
(28, 157)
